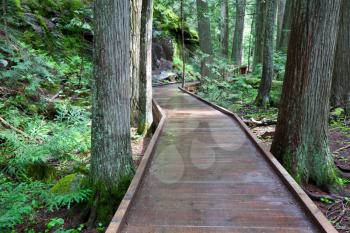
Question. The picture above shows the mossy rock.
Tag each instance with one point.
(69, 184)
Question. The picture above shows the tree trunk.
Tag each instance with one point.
(135, 22)
(204, 35)
(283, 41)
(224, 27)
(145, 98)
(263, 98)
(280, 15)
(301, 140)
(341, 81)
(238, 34)
(259, 32)
(111, 161)
(183, 43)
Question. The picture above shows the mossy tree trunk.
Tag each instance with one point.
(224, 27)
(238, 33)
(263, 98)
(301, 140)
(281, 5)
(145, 94)
(111, 161)
(135, 22)
(205, 42)
(283, 40)
(259, 32)
(341, 80)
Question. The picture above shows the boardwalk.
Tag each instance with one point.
(207, 176)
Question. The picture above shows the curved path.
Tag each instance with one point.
(206, 175)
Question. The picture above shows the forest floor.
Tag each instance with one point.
(43, 217)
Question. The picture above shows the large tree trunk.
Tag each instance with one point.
(283, 41)
(259, 32)
(301, 140)
(263, 98)
(204, 35)
(145, 98)
(224, 27)
(111, 161)
(135, 22)
(341, 80)
(281, 5)
(238, 34)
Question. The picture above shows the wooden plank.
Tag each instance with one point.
(308, 204)
(212, 229)
(120, 215)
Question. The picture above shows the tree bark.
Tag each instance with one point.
(111, 161)
(263, 98)
(283, 41)
(259, 32)
(301, 138)
(238, 34)
(280, 15)
(183, 43)
(341, 81)
(145, 95)
(135, 22)
(224, 27)
(204, 35)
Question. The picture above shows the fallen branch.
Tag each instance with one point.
(9, 126)
(254, 123)
(342, 148)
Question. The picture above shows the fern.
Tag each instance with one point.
(56, 201)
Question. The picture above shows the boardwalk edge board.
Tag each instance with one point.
(120, 216)
(314, 212)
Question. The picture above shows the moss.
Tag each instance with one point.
(106, 201)
(311, 164)
(143, 129)
(68, 184)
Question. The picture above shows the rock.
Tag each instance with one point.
(165, 75)
(3, 63)
(33, 21)
(68, 184)
(162, 53)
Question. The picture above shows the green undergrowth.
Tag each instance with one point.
(238, 94)
(46, 103)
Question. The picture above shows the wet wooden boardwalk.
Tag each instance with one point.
(207, 176)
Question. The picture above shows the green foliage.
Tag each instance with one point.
(18, 201)
(54, 223)
(326, 200)
(44, 92)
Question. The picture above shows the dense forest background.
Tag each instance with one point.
(237, 50)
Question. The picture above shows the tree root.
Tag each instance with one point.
(320, 197)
